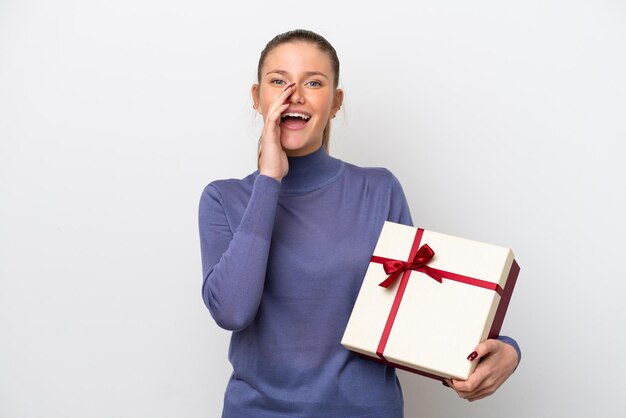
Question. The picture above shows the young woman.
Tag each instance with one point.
(285, 249)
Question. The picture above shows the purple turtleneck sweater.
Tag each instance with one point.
(282, 265)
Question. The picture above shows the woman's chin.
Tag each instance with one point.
(294, 147)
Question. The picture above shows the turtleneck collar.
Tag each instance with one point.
(311, 171)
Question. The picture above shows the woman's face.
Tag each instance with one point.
(313, 95)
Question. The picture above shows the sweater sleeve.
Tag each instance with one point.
(399, 211)
(234, 263)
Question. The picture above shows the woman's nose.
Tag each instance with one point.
(297, 96)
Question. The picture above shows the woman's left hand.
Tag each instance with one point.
(497, 362)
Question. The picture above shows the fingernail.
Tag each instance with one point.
(445, 384)
(472, 356)
(290, 86)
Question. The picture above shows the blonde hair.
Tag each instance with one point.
(308, 36)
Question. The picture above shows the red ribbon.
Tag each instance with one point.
(394, 267)
(417, 261)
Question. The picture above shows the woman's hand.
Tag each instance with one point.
(498, 361)
(273, 161)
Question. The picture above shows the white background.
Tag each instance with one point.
(504, 122)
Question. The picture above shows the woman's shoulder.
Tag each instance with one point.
(229, 186)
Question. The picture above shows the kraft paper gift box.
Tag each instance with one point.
(435, 311)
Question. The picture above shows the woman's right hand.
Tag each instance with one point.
(273, 160)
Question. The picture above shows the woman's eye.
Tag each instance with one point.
(276, 81)
(314, 83)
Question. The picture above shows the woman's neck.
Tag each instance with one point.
(310, 171)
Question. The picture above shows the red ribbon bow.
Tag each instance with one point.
(394, 268)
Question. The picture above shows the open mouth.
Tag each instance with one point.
(294, 120)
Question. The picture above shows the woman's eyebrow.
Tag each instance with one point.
(306, 73)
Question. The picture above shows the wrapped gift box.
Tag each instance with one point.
(436, 308)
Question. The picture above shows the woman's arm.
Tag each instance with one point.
(399, 211)
(234, 264)
(498, 357)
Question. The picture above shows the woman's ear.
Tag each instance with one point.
(255, 97)
(337, 102)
